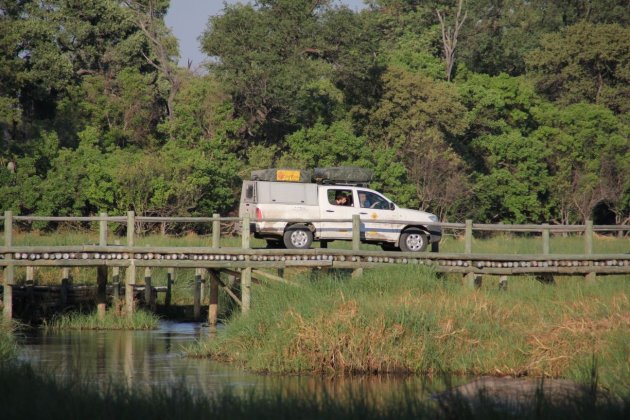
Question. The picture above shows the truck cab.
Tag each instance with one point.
(294, 214)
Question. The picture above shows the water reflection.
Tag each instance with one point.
(146, 358)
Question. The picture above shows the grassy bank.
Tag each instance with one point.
(113, 320)
(76, 398)
(407, 319)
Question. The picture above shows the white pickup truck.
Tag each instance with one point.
(308, 206)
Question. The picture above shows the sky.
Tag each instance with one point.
(188, 18)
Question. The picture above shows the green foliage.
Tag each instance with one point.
(95, 116)
(417, 117)
(516, 185)
(585, 62)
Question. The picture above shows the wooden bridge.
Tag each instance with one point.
(244, 262)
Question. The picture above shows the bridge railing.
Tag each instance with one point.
(131, 221)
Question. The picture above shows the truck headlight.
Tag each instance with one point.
(433, 218)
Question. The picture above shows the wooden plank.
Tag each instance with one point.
(273, 277)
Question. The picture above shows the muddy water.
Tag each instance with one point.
(146, 358)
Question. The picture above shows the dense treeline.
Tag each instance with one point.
(499, 110)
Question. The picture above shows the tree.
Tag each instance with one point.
(449, 37)
(585, 62)
(418, 118)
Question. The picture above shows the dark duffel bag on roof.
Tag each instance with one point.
(343, 175)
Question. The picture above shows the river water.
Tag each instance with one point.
(156, 358)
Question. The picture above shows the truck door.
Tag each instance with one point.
(248, 200)
(336, 202)
(374, 207)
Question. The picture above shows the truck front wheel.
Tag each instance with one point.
(298, 237)
(414, 240)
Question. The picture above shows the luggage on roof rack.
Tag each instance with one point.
(283, 175)
(346, 175)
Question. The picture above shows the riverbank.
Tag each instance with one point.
(410, 320)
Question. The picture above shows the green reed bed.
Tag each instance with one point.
(8, 345)
(408, 319)
(27, 394)
(113, 320)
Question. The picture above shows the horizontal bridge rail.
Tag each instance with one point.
(500, 227)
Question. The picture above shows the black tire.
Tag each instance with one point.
(298, 237)
(414, 240)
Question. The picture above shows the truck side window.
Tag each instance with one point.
(340, 197)
(249, 193)
(369, 200)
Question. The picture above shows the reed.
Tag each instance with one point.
(8, 345)
(113, 320)
(406, 319)
(20, 386)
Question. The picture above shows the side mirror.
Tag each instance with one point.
(392, 206)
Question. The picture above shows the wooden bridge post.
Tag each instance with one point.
(9, 269)
(116, 283)
(545, 238)
(101, 291)
(131, 268)
(148, 289)
(356, 242)
(131, 228)
(588, 247)
(65, 284)
(473, 280)
(503, 283)
(170, 279)
(130, 282)
(468, 237)
(216, 231)
(213, 305)
(101, 272)
(102, 230)
(197, 294)
(30, 283)
(246, 273)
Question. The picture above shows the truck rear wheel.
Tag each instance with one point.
(298, 237)
(414, 240)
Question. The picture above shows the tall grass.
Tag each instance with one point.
(406, 319)
(26, 394)
(113, 320)
(8, 345)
